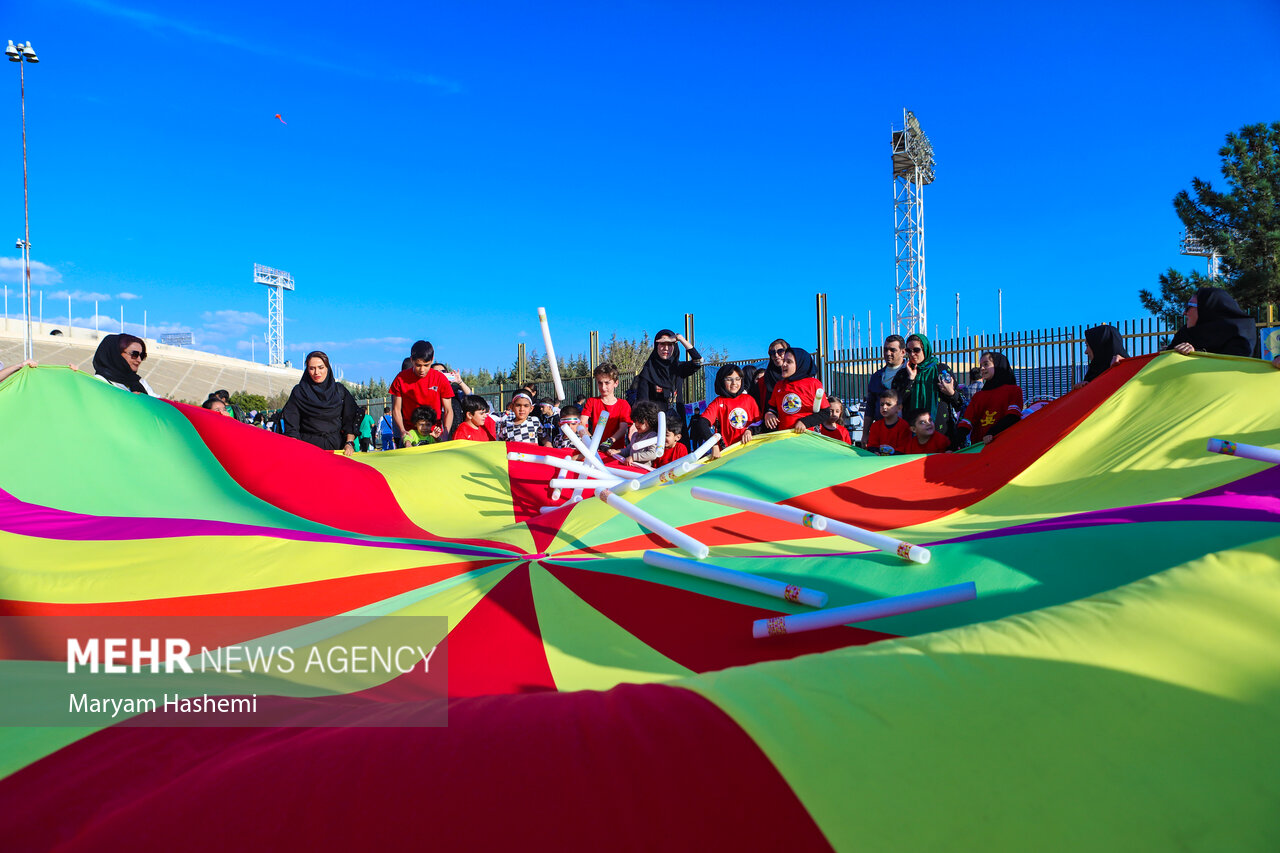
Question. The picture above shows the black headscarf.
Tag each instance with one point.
(1003, 374)
(1106, 343)
(724, 373)
(110, 364)
(1222, 326)
(661, 372)
(319, 401)
(769, 376)
(805, 367)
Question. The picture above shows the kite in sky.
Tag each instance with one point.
(282, 121)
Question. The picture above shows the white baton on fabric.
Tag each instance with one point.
(866, 611)
(684, 542)
(732, 577)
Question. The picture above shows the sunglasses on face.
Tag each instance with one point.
(776, 351)
(136, 353)
(915, 349)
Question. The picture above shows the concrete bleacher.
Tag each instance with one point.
(176, 373)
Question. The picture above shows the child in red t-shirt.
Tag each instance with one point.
(924, 438)
(733, 413)
(997, 406)
(419, 385)
(476, 424)
(673, 449)
(798, 396)
(887, 435)
(618, 411)
(831, 427)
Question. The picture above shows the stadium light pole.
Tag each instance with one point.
(22, 54)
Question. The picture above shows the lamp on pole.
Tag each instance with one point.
(21, 54)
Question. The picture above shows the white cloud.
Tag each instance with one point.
(42, 275)
(81, 295)
(127, 296)
(154, 22)
(522, 334)
(229, 323)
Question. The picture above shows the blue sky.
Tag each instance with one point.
(449, 167)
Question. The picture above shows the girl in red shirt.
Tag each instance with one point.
(798, 396)
(733, 413)
(996, 407)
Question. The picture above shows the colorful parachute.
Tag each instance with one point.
(1116, 683)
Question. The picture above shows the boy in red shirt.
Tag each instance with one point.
(887, 435)
(419, 385)
(831, 427)
(476, 424)
(924, 438)
(674, 448)
(619, 411)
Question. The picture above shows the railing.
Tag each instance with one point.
(1046, 362)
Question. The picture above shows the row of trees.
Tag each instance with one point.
(1241, 223)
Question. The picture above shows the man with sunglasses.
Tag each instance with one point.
(117, 362)
(895, 351)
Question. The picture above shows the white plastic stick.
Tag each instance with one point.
(868, 610)
(557, 462)
(671, 469)
(684, 542)
(1244, 451)
(587, 483)
(732, 577)
(596, 437)
(661, 434)
(772, 510)
(905, 550)
(588, 456)
(551, 355)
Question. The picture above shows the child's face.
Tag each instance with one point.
(835, 412)
(890, 409)
(672, 439)
(520, 407)
(733, 384)
(573, 421)
(923, 426)
(788, 367)
(422, 426)
(988, 367)
(219, 407)
(605, 385)
(420, 368)
(477, 417)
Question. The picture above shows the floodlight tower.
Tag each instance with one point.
(912, 169)
(1200, 248)
(277, 282)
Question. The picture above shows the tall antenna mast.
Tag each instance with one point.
(277, 282)
(912, 169)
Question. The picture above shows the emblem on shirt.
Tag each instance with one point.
(791, 403)
(738, 418)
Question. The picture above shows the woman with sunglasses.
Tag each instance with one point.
(770, 375)
(926, 383)
(117, 361)
(1215, 323)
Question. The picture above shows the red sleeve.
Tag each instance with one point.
(1015, 400)
(397, 386)
(713, 411)
(844, 434)
(622, 411)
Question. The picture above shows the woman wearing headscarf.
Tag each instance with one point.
(117, 362)
(761, 385)
(996, 407)
(1215, 323)
(925, 383)
(661, 380)
(321, 411)
(1103, 346)
(798, 397)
